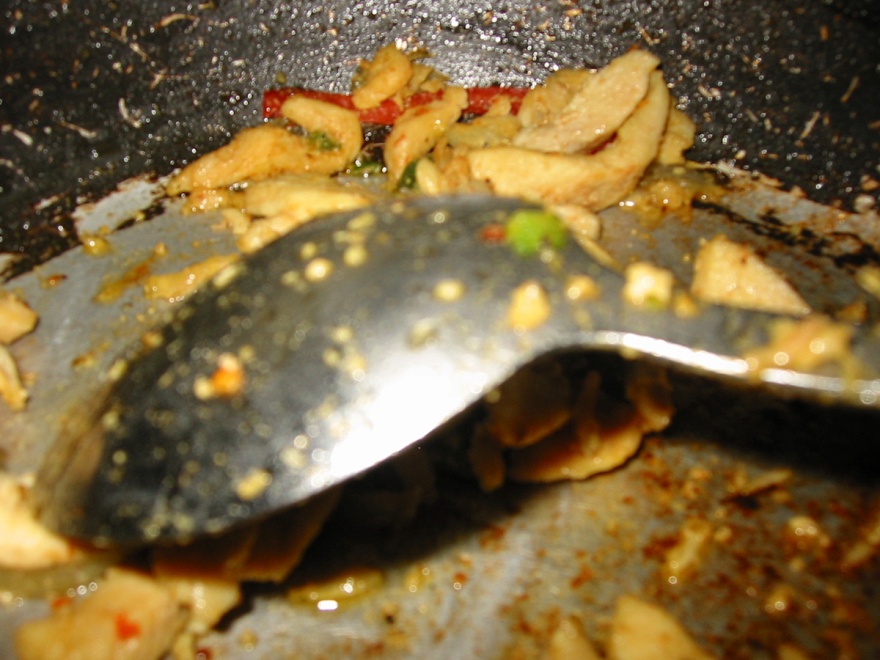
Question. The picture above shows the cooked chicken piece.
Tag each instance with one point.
(333, 138)
(678, 138)
(283, 203)
(381, 78)
(130, 616)
(265, 552)
(16, 318)
(418, 129)
(594, 181)
(569, 641)
(12, 390)
(729, 273)
(644, 631)
(25, 543)
(174, 287)
(603, 434)
(529, 406)
(597, 109)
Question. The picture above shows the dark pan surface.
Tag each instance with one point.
(93, 92)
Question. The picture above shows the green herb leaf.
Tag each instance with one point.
(322, 141)
(408, 178)
(362, 166)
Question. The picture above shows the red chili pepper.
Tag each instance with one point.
(61, 601)
(480, 99)
(125, 627)
(493, 233)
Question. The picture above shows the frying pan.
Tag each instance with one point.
(94, 93)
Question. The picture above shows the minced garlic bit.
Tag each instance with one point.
(355, 255)
(529, 306)
(228, 379)
(253, 484)
(318, 269)
(582, 287)
(95, 245)
(648, 285)
(449, 290)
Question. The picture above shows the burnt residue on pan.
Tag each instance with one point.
(93, 93)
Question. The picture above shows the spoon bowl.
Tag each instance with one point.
(341, 344)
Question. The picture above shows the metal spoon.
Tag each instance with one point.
(343, 343)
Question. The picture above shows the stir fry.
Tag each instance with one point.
(579, 143)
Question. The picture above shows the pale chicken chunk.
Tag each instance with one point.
(283, 203)
(25, 543)
(643, 631)
(382, 77)
(333, 139)
(569, 641)
(597, 109)
(130, 616)
(733, 274)
(594, 181)
(16, 318)
(418, 129)
(12, 389)
(176, 286)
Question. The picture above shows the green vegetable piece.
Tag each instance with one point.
(322, 141)
(528, 230)
(363, 166)
(408, 178)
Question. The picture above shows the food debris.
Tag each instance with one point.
(569, 641)
(557, 429)
(449, 290)
(865, 547)
(175, 287)
(25, 544)
(640, 629)
(647, 285)
(805, 345)
(330, 594)
(16, 318)
(228, 379)
(582, 287)
(318, 269)
(604, 431)
(529, 307)
(130, 615)
(95, 245)
(684, 558)
(729, 273)
(253, 484)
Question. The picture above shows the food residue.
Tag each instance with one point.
(529, 307)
